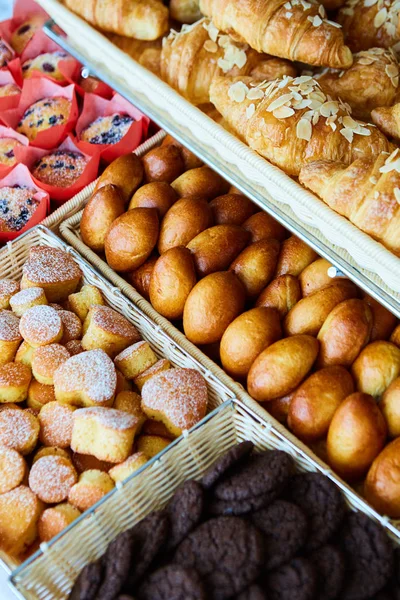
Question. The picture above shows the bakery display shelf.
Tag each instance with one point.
(367, 262)
(51, 574)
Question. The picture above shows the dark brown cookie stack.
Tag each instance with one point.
(251, 529)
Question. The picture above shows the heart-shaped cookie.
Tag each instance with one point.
(86, 379)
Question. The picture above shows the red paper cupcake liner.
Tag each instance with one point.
(36, 89)
(7, 132)
(29, 156)
(23, 9)
(20, 176)
(40, 44)
(99, 88)
(95, 107)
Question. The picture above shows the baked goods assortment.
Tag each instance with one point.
(315, 351)
(84, 401)
(251, 527)
(241, 67)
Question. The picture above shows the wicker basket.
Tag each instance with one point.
(75, 204)
(50, 572)
(51, 576)
(271, 187)
(14, 255)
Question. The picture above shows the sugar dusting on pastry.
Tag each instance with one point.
(9, 326)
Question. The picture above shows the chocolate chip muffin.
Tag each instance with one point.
(60, 168)
(17, 205)
(44, 114)
(47, 63)
(107, 130)
(25, 32)
(7, 146)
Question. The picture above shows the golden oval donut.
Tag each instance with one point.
(40, 326)
(51, 478)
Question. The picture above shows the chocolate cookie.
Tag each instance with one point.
(227, 552)
(184, 511)
(148, 538)
(284, 527)
(330, 565)
(117, 561)
(395, 582)
(254, 592)
(369, 557)
(223, 464)
(172, 582)
(88, 582)
(255, 483)
(322, 503)
(297, 580)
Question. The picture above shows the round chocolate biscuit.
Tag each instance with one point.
(184, 511)
(227, 552)
(330, 565)
(172, 582)
(254, 592)
(296, 580)
(117, 561)
(225, 463)
(369, 557)
(257, 482)
(323, 504)
(284, 527)
(88, 582)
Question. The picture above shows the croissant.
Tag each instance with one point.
(367, 24)
(192, 58)
(372, 81)
(148, 54)
(293, 29)
(185, 11)
(388, 120)
(140, 19)
(367, 192)
(292, 122)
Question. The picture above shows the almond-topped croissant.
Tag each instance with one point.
(367, 192)
(140, 19)
(293, 29)
(292, 122)
(370, 23)
(371, 81)
(185, 11)
(148, 54)
(388, 120)
(191, 59)
(332, 4)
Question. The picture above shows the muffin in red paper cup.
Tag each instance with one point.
(28, 18)
(47, 112)
(62, 172)
(44, 58)
(111, 127)
(10, 91)
(10, 140)
(22, 203)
